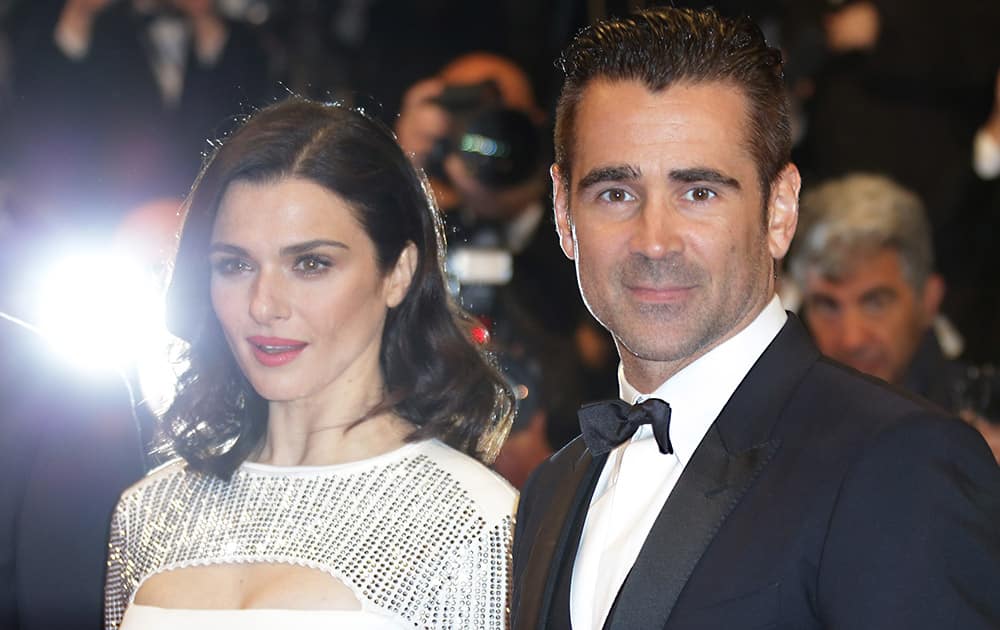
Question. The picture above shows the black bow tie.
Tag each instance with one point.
(607, 424)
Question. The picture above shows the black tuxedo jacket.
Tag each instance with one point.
(818, 499)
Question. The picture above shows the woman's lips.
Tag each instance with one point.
(275, 351)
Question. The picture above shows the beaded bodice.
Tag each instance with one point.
(421, 534)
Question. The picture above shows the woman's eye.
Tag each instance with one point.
(312, 264)
(616, 195)
(699, 194)
(230, 266)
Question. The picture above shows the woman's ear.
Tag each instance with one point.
(398, 281)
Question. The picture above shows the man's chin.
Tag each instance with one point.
(661, 349)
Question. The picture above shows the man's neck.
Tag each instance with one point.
(646, 375)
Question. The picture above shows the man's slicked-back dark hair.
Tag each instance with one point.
(664, 46)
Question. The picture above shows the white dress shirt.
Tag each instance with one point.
(637, 479)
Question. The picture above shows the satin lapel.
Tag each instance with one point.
(710, 487)
(550, 541)
(731, 456)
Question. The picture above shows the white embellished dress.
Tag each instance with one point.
(421, 535)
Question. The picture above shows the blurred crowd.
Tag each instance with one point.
(108, 107)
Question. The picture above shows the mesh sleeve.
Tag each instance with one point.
(115, 594)
(476, 589)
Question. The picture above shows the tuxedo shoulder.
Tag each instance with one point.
(563, 459)
(547, 475)
(568, 454)
(847, 378)
(833, 386)
(872, 414)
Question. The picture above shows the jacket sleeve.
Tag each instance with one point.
(914, 538)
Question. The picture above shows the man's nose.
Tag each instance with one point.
(854, 336)
(268, 298)
(658, 230)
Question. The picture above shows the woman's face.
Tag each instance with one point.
(296, 287)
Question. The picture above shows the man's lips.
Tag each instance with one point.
(275, 351)
(659, 294)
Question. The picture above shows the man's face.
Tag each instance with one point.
(663, 216)
(871, 319)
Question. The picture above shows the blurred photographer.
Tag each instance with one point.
(434, 109)
(478, 133)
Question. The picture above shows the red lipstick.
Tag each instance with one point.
(275, 351)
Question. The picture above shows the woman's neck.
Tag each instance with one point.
(319, 433)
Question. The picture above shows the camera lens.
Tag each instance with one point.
(500, 147)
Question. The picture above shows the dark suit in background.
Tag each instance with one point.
(68, 447)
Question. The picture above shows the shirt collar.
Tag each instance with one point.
(698, 392)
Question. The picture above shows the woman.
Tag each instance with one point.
(333, 407)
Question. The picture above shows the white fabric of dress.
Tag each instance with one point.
(421, 535)
(153, 618)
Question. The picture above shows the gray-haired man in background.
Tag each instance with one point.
(864, 261)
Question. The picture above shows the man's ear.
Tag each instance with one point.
(930, 298)
(397, 282)
(560, 205)
(783, 211)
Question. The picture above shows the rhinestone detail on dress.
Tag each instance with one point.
(405, 533)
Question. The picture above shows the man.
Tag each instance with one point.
(774, 487)
(508, 214)
(864, 261)
(531, 299)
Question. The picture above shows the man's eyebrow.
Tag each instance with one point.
(620, 173)
(878, 293)
(692, 175)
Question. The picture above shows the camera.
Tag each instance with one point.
(500, 147)
(978, 392)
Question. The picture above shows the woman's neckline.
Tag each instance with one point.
(266, 611)
(368, 462)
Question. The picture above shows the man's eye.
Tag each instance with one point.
(312, 264)
(822, 306)
(616, 195)
(230, 266)
(877, 303)
(699, 194)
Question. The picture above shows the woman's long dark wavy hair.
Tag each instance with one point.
(435, 376)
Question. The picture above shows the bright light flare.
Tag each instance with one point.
(97, 310)
(106, 312)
